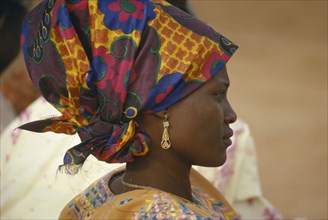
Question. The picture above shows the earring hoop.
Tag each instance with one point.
(166, 143)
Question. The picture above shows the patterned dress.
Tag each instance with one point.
(99, 202)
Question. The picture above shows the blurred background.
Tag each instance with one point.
(278, 86)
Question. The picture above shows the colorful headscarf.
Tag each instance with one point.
(101, 63)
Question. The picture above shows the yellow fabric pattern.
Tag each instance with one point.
(98, 202)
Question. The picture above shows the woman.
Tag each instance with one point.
(136, 80)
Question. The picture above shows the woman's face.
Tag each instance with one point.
(199, 124)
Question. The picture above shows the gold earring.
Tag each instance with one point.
(166, 143)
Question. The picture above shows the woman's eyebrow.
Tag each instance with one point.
(226, 84)
(221, 84)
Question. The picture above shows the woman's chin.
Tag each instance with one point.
(213, 162)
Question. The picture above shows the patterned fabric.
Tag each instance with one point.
(102, 63)
(98, 202)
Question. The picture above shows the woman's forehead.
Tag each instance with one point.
(221, 78)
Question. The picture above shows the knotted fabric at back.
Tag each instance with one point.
(102, 63)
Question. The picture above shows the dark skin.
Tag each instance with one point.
(199, 132)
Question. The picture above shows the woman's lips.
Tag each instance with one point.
(228, 133)
(227, 141)
(227, 138)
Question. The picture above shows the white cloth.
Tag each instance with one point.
(7, 112)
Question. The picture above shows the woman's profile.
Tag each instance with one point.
(142, 83)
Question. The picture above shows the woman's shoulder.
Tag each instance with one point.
(92, 198)
(136, 204)
(154, 204)
(98, 202)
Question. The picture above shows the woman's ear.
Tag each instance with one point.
(152, 124)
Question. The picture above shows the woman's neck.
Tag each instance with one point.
(166, 174)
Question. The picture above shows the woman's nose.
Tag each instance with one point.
(230, 115)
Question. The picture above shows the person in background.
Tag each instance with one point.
(16, 91)
(11, 17)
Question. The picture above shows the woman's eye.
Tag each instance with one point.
(221, 94)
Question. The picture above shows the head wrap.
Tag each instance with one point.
(101, 63)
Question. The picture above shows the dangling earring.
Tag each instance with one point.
(166, 143)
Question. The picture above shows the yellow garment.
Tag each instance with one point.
(98, 202)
